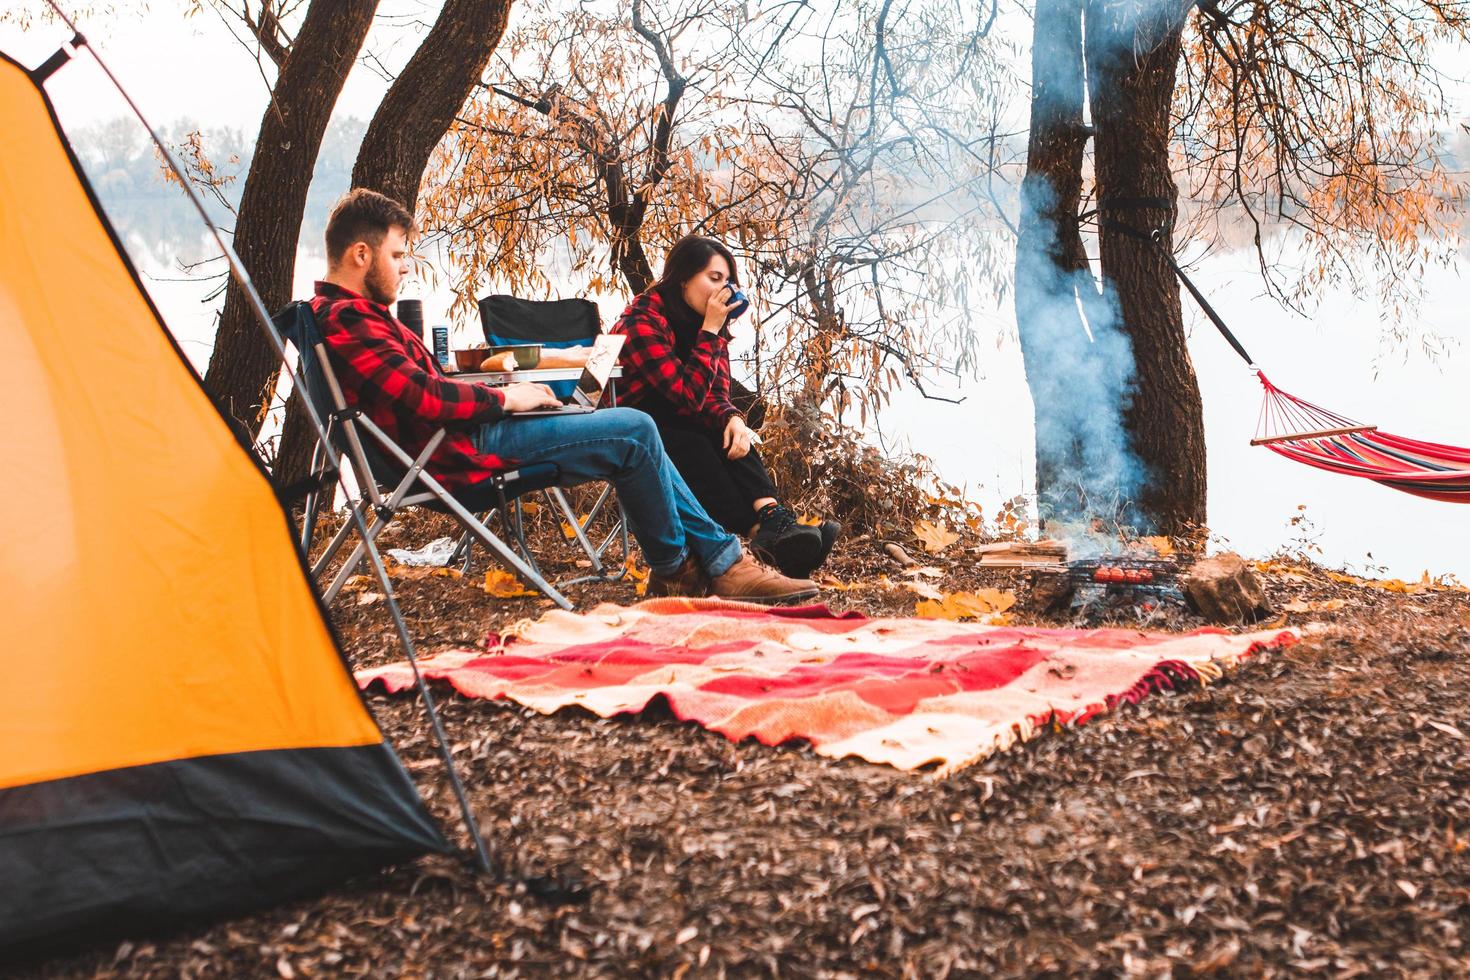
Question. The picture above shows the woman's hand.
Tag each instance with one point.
(737, 437)
(717, 310)
(527, 396)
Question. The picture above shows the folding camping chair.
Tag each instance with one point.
(554, 324)
(388, 479)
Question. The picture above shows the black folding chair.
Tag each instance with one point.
(557, 324)
(390, 480)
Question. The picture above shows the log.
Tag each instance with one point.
(1224, 590)
(1019, 554)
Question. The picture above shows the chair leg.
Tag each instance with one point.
(462, 553)
(311, 509)
(353, 560)
(518, 529)
(577, 530)
(338, 540)
(308, 522)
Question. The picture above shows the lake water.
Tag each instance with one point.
(1336, 358)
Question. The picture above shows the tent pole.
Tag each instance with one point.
(242, 276)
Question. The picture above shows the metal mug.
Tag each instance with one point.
(740, 299)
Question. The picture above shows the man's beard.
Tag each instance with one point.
(378, 289)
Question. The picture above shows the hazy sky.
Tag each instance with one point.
(177, 68)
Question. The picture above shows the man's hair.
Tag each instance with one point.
(363, 216)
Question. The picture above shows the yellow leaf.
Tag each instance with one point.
(413, 573)
(936, 537)
(925, 589)
(1161, 544)
(983, 604)
(1326, 605)
(504, 585)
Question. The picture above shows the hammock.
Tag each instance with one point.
(1307, 433)
(1313, 435)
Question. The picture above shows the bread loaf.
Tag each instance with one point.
(504, 361)
(564, 357)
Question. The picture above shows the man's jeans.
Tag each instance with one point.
(622, 445)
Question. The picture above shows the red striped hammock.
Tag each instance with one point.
(1309, 433)
(1313, 435)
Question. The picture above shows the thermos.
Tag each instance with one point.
(411, 315)
(441, 346)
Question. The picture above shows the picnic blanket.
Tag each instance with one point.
(906, 692)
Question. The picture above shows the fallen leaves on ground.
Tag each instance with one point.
(1161, 544)
(504, 585)
(1442, 583)
(827, 581)
(616, 836)
(413, 573)
(1325, 605)
(569, 532)
(936, 537)
(637, 574)
(924, 589)
(987, 605)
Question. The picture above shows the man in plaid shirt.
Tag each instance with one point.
(388, 374)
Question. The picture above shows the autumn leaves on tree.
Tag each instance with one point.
(859, 158)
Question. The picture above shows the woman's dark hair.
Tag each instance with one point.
(686, 260)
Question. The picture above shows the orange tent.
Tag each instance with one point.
(179, 733)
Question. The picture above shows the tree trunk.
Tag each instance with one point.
(1051, 263)
(410, 122)
(422, 102)
(242, 371)
(1131, 65)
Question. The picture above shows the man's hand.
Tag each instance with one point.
(526, 396)
(737, 437)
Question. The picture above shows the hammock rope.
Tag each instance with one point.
(1299, 430)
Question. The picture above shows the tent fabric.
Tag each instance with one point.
(176, 718)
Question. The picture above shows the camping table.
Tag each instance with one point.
(539, 374)
(532, 374)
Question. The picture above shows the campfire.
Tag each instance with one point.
(1132, 584)
(1127, 584)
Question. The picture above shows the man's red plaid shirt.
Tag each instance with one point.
(388, 374)
(697, 386)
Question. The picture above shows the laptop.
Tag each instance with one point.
(590, 387)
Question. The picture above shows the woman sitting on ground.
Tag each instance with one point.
(676, 367)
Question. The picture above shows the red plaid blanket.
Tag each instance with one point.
(906, 692)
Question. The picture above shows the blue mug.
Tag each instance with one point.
(740, 299)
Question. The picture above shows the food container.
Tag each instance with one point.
(469, 360)
(527, 356)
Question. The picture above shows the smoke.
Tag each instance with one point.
(1079, 359)
(1081, 372)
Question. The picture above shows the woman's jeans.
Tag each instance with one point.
(622, 446)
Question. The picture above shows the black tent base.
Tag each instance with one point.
(148, 847)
